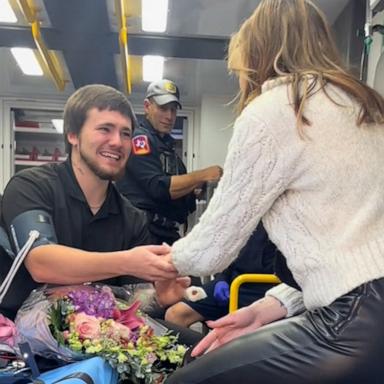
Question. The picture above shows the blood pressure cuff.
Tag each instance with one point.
(22, 283)
(5, 244)
(38, 220)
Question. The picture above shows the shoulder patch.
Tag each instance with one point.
(140, 145)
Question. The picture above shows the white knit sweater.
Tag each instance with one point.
(321, 198)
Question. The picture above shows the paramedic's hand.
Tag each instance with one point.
(245, 320)
(213, 173)
(169, 292)
(221, 292)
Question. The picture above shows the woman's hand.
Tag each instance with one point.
(169, 292)
(226, 329)
(245, 320)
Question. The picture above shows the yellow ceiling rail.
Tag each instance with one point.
(48, 58)
(28, 9)
(121, 11)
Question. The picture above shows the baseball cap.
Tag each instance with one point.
(163, 92)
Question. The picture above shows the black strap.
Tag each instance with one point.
(77, 375)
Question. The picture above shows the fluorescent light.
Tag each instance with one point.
(27, 61)
(6, 12)
(58, 124)
(153, 68)
(154, 15)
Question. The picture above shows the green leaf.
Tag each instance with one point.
(56, 320)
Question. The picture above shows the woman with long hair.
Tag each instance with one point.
(306, 158)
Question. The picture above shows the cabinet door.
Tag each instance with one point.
(33, 135)
(38, 137)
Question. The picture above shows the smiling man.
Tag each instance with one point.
(88, 230)
(156, 180)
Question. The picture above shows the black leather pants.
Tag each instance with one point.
(339, 344)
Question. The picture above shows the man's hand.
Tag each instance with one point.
(245, 320)
(221, 292)
(170, 292)
(150, 262)
(213, 173)
(182, 185)
(49, 264)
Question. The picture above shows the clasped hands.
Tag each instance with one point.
(170, 291)
(244, 321)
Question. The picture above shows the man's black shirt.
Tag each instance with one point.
(53, 188)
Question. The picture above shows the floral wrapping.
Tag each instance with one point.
(8, 331)
(76, 322)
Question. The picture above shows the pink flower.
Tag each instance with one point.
(116, 313)
(129, 318)
(88, 327)
(119, 331)
(66, 335)
(7, 331)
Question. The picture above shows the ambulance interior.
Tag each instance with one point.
(84, 44)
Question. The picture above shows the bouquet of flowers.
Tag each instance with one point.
(73, 323)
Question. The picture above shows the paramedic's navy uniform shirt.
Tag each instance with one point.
(148, 176)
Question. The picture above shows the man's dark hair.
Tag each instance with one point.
(92, 96)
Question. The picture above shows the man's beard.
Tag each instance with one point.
(94, 167)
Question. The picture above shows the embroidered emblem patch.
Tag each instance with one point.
(141, 145)
(170, 87)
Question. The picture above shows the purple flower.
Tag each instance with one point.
(93, 302)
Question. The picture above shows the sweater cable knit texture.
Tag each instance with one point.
(320, 198)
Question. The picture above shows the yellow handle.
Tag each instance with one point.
(248, 278)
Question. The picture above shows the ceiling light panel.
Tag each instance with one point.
(27, 61)
(6, 12)
(154, 15)
(153, 67)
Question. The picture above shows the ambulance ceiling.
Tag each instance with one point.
(85, 35)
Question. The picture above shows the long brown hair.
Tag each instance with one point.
(292, 37)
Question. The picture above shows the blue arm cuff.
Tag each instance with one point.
(27, 221)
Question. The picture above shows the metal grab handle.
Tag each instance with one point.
(248, 278)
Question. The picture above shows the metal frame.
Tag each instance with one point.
(248, 278)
